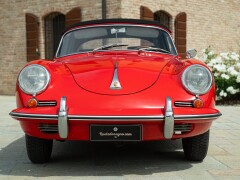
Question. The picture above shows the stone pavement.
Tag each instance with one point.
(106, 161)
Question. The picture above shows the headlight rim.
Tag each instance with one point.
(44, 87)
(186, 87)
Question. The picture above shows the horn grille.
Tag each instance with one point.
(48, 128)
(182, 128)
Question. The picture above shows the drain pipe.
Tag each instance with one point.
(104, 9)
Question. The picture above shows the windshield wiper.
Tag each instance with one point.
(153, 49)
(108, 46)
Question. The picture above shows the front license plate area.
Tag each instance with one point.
(115, 132)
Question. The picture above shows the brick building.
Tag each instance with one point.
(30, 29)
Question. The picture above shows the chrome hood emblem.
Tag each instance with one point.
(115, 82)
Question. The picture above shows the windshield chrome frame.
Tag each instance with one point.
(112, 24)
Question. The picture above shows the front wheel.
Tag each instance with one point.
(38, 150)
(195, 148)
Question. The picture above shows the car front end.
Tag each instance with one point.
(141, 93)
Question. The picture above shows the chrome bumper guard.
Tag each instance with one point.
(169, 119)
(63, 118)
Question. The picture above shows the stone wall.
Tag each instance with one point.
(215, 23)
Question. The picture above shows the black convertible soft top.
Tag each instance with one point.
(102, 21)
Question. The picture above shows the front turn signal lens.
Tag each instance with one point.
(32, 103)
(198, 103)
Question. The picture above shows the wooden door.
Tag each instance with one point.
(146, 14)
(32, 35)
(181, 34)
(73, 16)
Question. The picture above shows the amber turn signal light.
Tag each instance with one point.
(198, 103)
(32, 103)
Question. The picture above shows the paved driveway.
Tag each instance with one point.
(106, 161)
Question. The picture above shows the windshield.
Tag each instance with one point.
(109, 37)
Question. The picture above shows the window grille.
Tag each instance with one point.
(163, 18)
(54, 26)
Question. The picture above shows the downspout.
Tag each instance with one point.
(104, 9)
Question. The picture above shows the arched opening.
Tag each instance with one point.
(146, 13)
(32, 35)
(73, 16)
(54, 26)
(163, 17)
(181, 34)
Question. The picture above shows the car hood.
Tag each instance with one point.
(135, 73)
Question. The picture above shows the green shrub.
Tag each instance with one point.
(226, 70)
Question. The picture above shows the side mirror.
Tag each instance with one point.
(191, 53)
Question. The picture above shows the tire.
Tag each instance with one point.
(38, 150)
(195, 148)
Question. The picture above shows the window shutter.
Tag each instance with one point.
(73, 16)
(181, 34)
(146, 14)
(32, 35)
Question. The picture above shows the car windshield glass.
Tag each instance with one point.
(135, 37)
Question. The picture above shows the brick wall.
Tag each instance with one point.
(13, 31)
(215, 23)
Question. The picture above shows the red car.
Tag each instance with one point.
(116, 80)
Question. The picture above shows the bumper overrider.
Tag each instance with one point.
(63, 118)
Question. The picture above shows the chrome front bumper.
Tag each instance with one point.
(63, 118)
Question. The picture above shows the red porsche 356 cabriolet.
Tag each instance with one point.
(116, 80)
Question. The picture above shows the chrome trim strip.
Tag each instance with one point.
(63, 118)
(183, 104)
(33, 116)
(115, 85)
(47, 102)
(169, 119)
(109, 118)
(198, 117)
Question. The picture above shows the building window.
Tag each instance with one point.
(54, 26)
(163, 17)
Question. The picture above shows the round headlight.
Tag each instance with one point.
(33, 79)
(197, 79)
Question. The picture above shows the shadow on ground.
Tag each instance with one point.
(74, 158)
